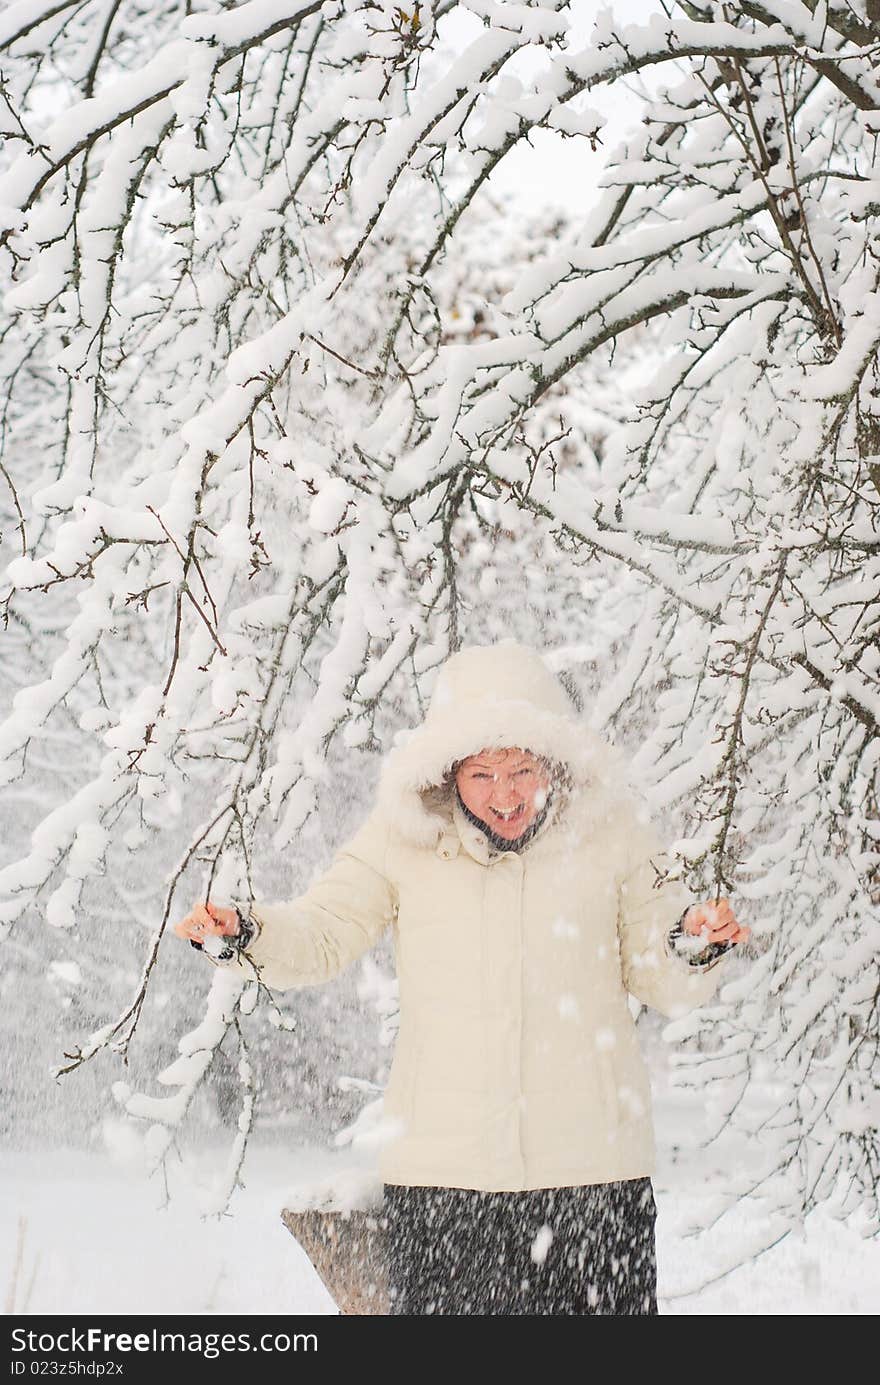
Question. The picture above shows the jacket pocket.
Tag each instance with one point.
(626, 1080)
(400, 1091)
(608, 1084)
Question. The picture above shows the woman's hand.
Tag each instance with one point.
(716, 922)
(207, 920)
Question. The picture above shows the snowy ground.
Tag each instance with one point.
(95, 1239)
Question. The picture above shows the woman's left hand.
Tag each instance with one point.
(716, 922)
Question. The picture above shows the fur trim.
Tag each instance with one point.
(466, 718)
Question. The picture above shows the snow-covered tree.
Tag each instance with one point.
(290, 410)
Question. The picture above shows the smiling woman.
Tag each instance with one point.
(506, 792)
(527, 898)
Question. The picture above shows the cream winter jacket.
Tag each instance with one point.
(517, 1064)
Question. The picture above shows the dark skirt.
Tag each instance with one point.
(563, 1251)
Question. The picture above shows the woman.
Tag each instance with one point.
(517, 874)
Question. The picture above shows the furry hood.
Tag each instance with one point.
(495, 696)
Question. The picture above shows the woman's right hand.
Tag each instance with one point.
(207, 920)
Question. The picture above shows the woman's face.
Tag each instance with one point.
(505, 788)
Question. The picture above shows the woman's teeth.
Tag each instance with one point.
(508, 817)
